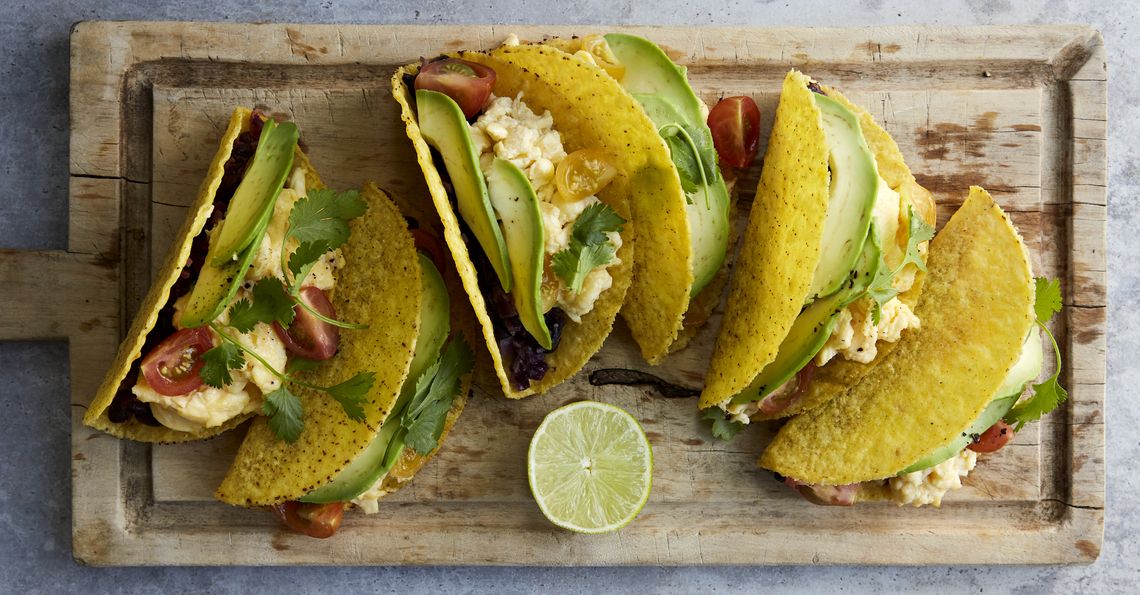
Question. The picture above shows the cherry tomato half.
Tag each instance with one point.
(171, 368)
(467, 83)
(582, 173)
(735, 126)
(314, 520)
(310, 337)
(994, 438)
(427, 243)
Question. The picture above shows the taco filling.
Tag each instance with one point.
(542, 242)
(252, 302)
(872, 245)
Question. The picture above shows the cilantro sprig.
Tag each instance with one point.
(722, 428)
(694, 158)
(589, 247)
(319, 223)
(1049, 394)
(436, 389)
(283, 408)
(882, 288)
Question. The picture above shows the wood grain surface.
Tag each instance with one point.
(1018, 110)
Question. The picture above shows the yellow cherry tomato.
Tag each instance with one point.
(582, 173)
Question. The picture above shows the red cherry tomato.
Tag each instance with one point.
(310, 337)
(314, 520)
(429, 245)
(735, 126)
(467, 83)
(993, 439)
(171, 368)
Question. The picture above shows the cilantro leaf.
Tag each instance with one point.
(271, 303)
(304, 257)
(920, 231)
(722, 427)
(217, 363)
(882, 288)
(574, 263)
(436, 390)
(595, 222)
(685, 160)
(352, 392)
(590, 247)
(300, 364)
(1047, 300)
(285, 414)
(1049, 394)
(323, 216)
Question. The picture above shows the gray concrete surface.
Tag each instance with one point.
(34, 488)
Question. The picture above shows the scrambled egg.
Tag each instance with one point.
(369, 500)
(206, 406)
(856, 335)
(510, 130)
(928, 486)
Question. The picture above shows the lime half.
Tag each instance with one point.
(590, 467)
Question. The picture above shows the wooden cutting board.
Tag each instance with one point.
(1019, 110)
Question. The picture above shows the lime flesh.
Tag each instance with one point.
(590, 467)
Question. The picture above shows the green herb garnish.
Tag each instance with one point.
(589, 247)
(436, 389)
(722, 428)
(1047, 395)
(882, 289)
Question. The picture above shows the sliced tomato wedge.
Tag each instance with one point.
(735, 126)
(171, 368)
(468, 83)
(583, 173)
(993, 439)
(427, 243)
(310, 337)
(315, 520)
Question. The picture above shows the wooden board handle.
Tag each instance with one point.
(56, 294)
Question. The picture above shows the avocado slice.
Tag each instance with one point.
(853, 188)
(444, 127)
(663, 90)
(812, 328)
(514, 199)
(372, 463)
(1027, 367)
(243, 227)
(257, 193)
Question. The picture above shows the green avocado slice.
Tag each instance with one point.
(853, 188)
(514, 199)
(257, 193)
(238, 238)
(812, 328)
(663, 90)
(444, 127)
(372, 463)
(1027, 367)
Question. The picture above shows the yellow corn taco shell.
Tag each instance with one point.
(379, 254)
(131, 348)
(661, 316)
(780, 250)
(572, 91)
(976, 310)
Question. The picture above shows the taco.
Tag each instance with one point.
(684, 234)
(831, 263)
(911, 428)
(539, 224)
(242, 300)
(423, 366)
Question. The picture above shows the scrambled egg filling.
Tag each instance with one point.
(369, 500)
(207, 406)
(510, 130)
(856, 335)
(929, 486)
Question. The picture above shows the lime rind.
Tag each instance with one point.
(590, 467)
